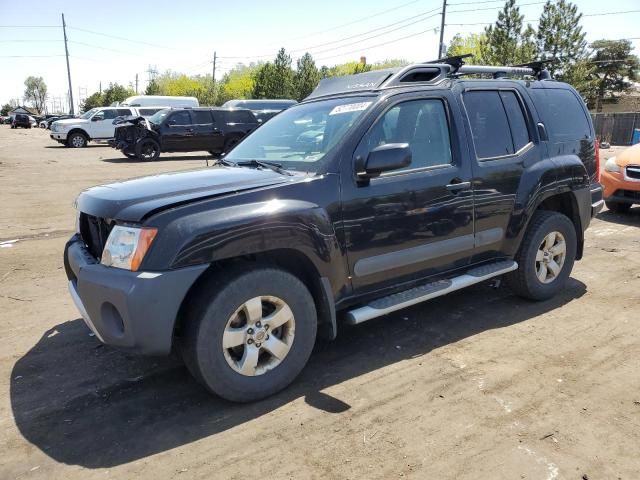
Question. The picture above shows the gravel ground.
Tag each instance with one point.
(476, 385)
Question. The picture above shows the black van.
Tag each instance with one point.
(215, 130)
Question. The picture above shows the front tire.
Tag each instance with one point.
(618, 207)
(250, 337)
(77, 140)
(148, 150)
(546, 256)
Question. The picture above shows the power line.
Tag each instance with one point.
(29, 26)
(364, 49)
(30, 56)
(494, 8)
(30, 41)
(313, 47)
(121, 38)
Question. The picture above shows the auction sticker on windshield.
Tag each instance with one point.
(349, 107)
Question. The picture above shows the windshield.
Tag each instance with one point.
(87, 115)
(158, 117)
(300, 137)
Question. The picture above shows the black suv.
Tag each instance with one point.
(215, 130)
(379, 191)
(263, 109)
(21, 120)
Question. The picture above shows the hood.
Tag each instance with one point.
(70, 121)
(629, 156)
(134, 199)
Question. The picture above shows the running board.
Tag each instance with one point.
(421, 293)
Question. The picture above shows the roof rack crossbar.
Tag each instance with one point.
(455, 61)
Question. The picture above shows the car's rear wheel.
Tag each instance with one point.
(77, 140)
(618, 207)
(546, 256)
(148, 150)
(250, 337)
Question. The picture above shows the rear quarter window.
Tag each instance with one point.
(240, 116)
(563, 114)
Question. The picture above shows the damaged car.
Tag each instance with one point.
(214, 130)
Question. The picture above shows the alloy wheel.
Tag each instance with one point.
(550, 257)
(259, 335)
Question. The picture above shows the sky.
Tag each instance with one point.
(117, 40)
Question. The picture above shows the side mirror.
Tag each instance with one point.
(385, 158)
(97, 118)
(171, 123)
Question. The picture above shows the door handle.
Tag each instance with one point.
(456, 187)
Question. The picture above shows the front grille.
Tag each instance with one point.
(633, 172)
(94, 232)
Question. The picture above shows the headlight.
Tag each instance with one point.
(127, 246)
(611, 165)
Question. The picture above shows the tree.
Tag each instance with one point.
(6, 108)
(507, 42)
(237, 83)
(115, 93)
(35, 92)
(275, 80)
(152, 88)
(614, 68)
(560, 38)
(473, 43)
(307, 77)
(92, 101)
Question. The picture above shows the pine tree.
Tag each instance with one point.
(560, 38)
(307, 76)
(506, 41)
(615, 67)
(275, 80)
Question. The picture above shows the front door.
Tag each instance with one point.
(102, 124)
(417, 221)
(179, 131)
(208, 136)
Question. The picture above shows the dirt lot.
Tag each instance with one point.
(476, 385)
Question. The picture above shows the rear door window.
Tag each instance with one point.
(489, 124)
(122, 112)
(202, 117)
(110, 114)
(517, 122)
(240, 116)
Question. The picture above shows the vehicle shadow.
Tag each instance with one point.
(86, 404)
(91, 145)
(162, 158)
(631, 218)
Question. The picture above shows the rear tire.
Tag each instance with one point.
(617, 207)
(147, 150)
(77, 140)
(227, 343)
(545, 258)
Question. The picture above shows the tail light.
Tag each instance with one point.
(597, 160)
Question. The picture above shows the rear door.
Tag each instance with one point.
(207, 135)
(504, 145)
(179, 131)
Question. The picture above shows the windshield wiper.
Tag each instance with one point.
(276, 167)
(226, 163)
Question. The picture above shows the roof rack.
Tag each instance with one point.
(429, 72)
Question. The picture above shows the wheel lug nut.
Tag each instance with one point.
(250, 331)
(267, 338)
(258, 324)
(258, 345)
(250, 341)
(266, 327)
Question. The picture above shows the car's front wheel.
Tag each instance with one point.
(77, 140)
(250, 337)
(147, 150)
(546, 256)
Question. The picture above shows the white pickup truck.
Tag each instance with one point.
(96, 124)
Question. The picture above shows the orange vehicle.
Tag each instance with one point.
(621, 180)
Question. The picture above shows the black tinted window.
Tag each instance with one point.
(489, 126)
(420, 123)
(240, 116)
(110, 114)
(562, 114)
(124, 112)
(180, 118)
(202, 117)
(519, 129)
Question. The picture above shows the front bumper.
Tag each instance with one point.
(59, 136)
(617, 189)
(136, 310)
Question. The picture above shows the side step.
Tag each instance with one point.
(421, 293)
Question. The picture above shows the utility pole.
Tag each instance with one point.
(66, 50)
(215, 57)
(100, 87)
(136, 83)
(441, 52)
